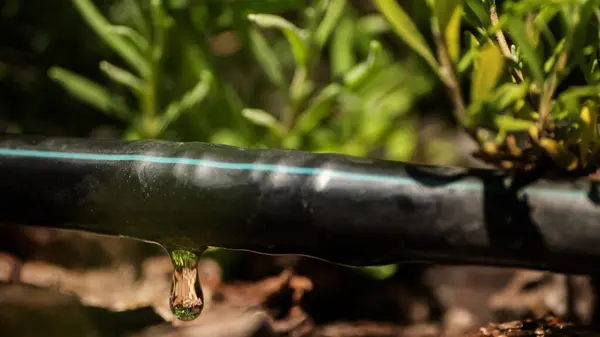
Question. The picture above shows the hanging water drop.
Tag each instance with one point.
(186, 299)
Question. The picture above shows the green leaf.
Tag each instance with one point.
(161, 23)
(509, 93)
(452, 32)
(373, 24)
(341, 51)
(511, 124)
(551, 61)
(578, 92)
(137, 16)
(468, 58)
(542, 20)
(103, 29)
(406, 30)
(266, 57)
(295, 36)
(189, 99)
(122, 76)
(589, 133)
(334, 12)
(488, 68)
(477, 14)
(518, 32)
(89, 92)
(444, 10)
(131, 34)
(583, 25)
(357, 75)
(401, 144)
(263, 118)
(379, 272)
(229, 137)
(319, 109)
(160, 18)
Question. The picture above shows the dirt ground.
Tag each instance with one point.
(61, 283)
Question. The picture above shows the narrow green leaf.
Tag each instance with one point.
(160, 18)
(489, 67)
(379, 272)
(137, 16)
(356, 76)
(334, 12)
(161, 23)
(122, 76)
(229, 137)
(88, 92)
(444, 10)
(551, 61)
(190, 99)
(131, 34)
(507, 94)
(477, 14)
(373, 24)
(266, 57)
(542, 20)
(319, 109)
(468, 58)
(401, 144)
(580, 33)
(589, 133)
(295, 36)
(452, 32)
(406, 30)
(518, 32)
(511, 124)
(101, 26)
(578, 92)
(263, 118)
(341, 51)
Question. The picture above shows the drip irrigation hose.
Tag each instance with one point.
(342, 209)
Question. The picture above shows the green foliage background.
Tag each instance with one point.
(218, 71)
(357, 77)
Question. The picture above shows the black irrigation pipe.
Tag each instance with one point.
(338, 208)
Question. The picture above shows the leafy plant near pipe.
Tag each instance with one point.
(516, 56)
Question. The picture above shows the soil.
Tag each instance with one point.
(64, 283)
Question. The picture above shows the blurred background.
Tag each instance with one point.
(207, 71)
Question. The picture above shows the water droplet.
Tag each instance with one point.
(186, 299)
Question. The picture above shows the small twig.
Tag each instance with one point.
(504, 48)
(448, 76)
(499, 34)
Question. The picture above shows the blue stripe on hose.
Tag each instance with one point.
(255, 167)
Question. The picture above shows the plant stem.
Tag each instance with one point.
(448, 76)
(504, 48)
(499, 34)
